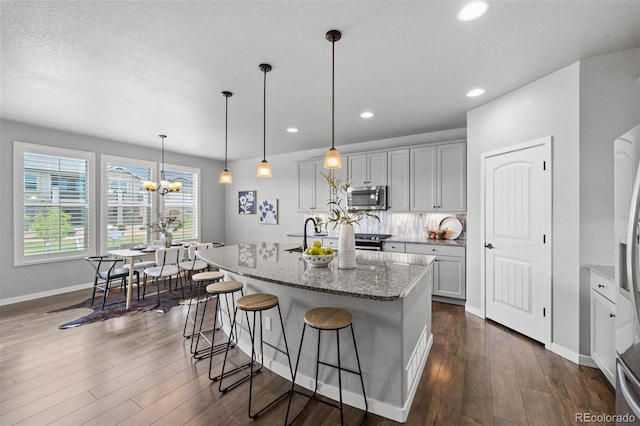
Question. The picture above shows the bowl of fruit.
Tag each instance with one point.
(317, 256)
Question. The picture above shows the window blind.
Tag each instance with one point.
(184, 204)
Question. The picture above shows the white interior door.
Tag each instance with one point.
(517, 223)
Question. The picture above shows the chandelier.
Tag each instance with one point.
(164, 185)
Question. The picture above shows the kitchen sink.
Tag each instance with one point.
(295, 250)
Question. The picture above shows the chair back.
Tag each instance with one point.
(101, 263)
(169, 256)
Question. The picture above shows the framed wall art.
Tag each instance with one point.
(246, 202)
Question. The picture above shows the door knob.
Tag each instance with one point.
(488, 245)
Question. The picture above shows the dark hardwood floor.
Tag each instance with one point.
(137, 370)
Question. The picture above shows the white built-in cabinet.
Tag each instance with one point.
(429, 178)
(313, 191)
(367, 169)
(603, 324)
(398, 180)
(438, 180)
(449, 270)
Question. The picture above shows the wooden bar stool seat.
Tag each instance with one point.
(197, 282)
(256, 304)
(327, 319)
(223, 287)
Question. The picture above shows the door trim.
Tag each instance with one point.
(545, 142)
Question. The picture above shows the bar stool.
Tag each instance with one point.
(198, 280)
(226, 288)
(255, 303)
(327, 319)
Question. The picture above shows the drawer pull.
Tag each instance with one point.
(600, 285)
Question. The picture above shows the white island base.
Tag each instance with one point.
(393, 336)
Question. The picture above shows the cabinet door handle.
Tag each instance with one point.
(434, 207)
(489, 246)
(600, 286)
(611, 315)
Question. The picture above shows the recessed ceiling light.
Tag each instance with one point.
(472, 11)
(366, 114)
(292, 130)
(475, 92)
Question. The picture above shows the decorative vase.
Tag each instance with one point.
(346, 247)
(167, 239)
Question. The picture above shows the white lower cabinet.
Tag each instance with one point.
(603, 327)
(449, 268)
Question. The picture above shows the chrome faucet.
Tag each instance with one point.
(304, 240)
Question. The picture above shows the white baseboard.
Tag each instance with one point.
(42, 294)
(587, 361)
(474, 311)
(564, 352)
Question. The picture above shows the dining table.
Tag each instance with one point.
(132, 255)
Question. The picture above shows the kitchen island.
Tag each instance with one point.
(389, 295)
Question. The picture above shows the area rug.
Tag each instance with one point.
(117, 309)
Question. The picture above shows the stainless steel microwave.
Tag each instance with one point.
(367, 198)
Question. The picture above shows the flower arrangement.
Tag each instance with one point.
(166, 224)
(338, 213)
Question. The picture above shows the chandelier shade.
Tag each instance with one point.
(225, 175)
(164, 186)
(333, 160)
(264, 169)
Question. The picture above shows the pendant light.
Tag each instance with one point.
(164, 186)
(333, 160)
(264, 169)
(225, 176)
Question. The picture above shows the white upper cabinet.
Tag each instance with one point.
(313, 191)
(422, 185)
(438, 179)
(368, 169)
(452, 177)
(398, 180)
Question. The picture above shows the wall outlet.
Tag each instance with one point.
(267, 322)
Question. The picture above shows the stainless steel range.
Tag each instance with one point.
(371, 242)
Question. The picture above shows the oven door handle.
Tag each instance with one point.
(626, 392)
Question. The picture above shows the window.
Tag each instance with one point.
(54, 206)
(185, 204)
(128, 206)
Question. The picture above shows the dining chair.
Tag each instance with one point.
(167, 260)
(141, 263)
(106, 272)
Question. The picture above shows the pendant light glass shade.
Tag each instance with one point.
(333, 160)
(225, 175)
(264, 169)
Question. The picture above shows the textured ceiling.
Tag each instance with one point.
(131, 70)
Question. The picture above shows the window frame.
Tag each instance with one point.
(105, 159)
(197, 172)
(19, 149)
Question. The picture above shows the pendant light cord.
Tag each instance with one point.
(226, 125)
(162, 169)
(264, 117)
(333, 84)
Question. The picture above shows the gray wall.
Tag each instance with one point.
(50, 278)
(584, 106)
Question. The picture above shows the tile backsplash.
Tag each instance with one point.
(401, 225)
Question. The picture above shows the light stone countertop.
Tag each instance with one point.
(604, 271)
(378, 275)
(392, 239)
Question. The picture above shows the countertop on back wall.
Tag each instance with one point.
(394, 239)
